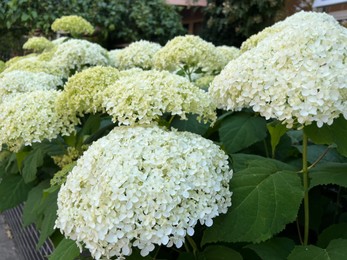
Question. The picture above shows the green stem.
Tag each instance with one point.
(305, 181)
(193, 244)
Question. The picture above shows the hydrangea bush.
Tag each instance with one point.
(186, 151)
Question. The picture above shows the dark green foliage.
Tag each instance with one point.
(116, 22)
(230, 22)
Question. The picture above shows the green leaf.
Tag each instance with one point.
(13, 191)
(333, 232)
(49, 207)
(276, 248)
(336, 250)
(241, 130)
(266, 196)
(191, 125)
(216, 252)
(33, 202)
(276, 130)
(335, 133)
(30, 164)
(329, 173)
(66, 250)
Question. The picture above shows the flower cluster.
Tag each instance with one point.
(141, 187)
(26, 81)
(33, 64)
(73, 24)
(82, 91)
(190, 51)
(26, 118)
(37, 44)
(296, 74)
(76, 54)
(228, 53)
(144, 96)
(138, 54)
(113, 57)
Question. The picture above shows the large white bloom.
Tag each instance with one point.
(141, 187)
(26, 118)
(144, 96)
(26, 81)
(296, 73)
(137, 54)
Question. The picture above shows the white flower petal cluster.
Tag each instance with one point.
(26, 118)
(188, 50)
(138, 54)
(297, 74)
(83, 91)
(144, 96)
(113, 56)
(38, 44)
(32, 63)
(76, 54)
(228, 53)
(141, 187)
(26, 81)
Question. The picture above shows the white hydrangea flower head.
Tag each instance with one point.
(74, 55)
(73, 24)
(27, 118)
(82, 92)
(189, 50)
(18, 81)
(146, 95)
(113, 56)
(138, 54)
(297, 75)
(141, 187)
(228, 53)
(34, 64)
(38, 44)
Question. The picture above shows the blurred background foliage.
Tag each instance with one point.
(230, 22)
(117, 23)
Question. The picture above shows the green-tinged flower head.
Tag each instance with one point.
(18, 81)
(27, 118)
(47, 55)
(83, 91)
(38, 44)
(73, 24)
(145, 96)
(228, 53)
(204, 82)
(59, 177)
(140, 187)
(138, 54)
(113, 56)
(75, 55)
(34, 64)
(190, 51)
(2, 66)
(297, 75)
(15, 59)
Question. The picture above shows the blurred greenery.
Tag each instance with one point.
(116, 22)
(230, 22)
